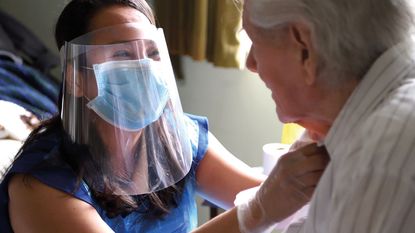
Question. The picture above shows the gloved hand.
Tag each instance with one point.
(289, 186)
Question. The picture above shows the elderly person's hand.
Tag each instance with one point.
(289, 186)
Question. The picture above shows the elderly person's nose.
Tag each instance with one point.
(251, 62)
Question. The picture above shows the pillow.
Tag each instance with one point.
(9, 149)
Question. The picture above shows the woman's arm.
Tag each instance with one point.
(220, 175)
(36, 207)
(225, 222)
(289, 186)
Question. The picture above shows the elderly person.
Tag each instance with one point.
(343, 69)
(122, 156)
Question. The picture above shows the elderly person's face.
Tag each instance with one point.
(284, 59)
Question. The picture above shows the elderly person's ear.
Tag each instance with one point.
(301, 36)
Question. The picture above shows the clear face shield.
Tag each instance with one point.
(120, 99)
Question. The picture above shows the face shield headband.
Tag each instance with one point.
(120, 100)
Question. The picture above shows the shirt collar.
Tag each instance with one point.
(385, 72)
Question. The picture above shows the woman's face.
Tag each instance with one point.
(122, 45)
(110, 16)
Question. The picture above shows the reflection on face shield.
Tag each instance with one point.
(131, 94)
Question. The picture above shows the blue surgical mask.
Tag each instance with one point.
(131, 94)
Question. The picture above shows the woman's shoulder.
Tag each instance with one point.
(38, 149)
(41, 159)
(34, 205)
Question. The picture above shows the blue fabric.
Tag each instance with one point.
(180, 219)
(28, 88)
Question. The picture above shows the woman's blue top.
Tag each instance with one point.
(183, 218)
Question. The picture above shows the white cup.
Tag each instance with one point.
(271, 153)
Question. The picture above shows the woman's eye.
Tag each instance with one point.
(153, 54)
(122, 54)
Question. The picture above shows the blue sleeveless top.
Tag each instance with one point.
(183, 218)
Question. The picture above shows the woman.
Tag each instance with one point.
(102, 165)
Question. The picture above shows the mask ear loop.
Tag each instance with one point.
(90, 69)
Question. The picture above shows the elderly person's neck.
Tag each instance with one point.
(329, 103)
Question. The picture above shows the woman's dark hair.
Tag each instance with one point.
(72, 23)
(76, 16)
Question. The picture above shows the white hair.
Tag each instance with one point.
(348, 34)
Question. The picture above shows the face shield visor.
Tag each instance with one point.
(120, 100)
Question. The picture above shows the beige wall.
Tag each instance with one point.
(38, 15)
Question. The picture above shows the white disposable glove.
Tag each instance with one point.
(289, 186)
